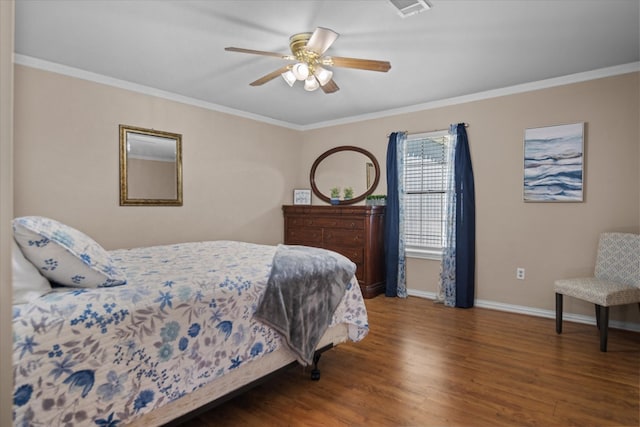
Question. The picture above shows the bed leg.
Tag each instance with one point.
(315, 372)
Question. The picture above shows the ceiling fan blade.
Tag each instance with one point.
(330, 87)
(362, 64)
(272, 75)
(321, 39)
(259, 52)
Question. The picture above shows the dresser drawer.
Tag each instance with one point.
(342, 223)
(304, 236)
(340, 237)
(354, 254)
(297, 221)
(359, 271)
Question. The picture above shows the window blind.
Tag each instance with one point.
(425, 198)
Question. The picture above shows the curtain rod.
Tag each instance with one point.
(466, 125)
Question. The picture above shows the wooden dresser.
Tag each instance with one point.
(356, 232)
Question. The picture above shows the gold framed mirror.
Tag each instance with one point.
(150, 167)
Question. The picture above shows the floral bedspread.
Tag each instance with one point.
(106, 356)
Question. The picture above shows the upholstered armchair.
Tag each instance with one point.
(616, 280)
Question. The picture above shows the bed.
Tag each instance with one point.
(161, 332)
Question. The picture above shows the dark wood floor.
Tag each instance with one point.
(426, 365)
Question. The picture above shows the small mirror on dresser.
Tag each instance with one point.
(150, 167)
(345, 167)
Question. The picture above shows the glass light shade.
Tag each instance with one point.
(300, 70)
(311, 84)
(289, 77)
(323, 75)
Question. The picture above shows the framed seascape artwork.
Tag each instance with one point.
(554, 163)
(302, 196)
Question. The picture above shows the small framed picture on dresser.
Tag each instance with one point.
(302, 196)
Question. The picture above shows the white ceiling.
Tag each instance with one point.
(457, 48)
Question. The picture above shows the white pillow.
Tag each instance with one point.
(28, 283)
(65, 255)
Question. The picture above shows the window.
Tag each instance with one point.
(426, 170)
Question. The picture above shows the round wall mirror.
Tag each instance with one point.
(345, 167)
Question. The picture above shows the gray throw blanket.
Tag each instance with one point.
(303, 291)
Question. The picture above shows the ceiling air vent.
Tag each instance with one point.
(409, 7)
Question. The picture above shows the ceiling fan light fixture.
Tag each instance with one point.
(323, 75)
(308, 60)
(311, 84)
(289, 77)
(300, 70)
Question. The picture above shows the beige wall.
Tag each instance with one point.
(6, 208)
(237, 172)
(550, 240)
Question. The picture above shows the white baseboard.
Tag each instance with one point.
(531, 311)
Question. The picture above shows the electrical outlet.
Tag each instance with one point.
(520, 273)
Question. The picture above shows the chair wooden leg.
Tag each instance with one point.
(558, 313)
(604, 326)
(597, 316)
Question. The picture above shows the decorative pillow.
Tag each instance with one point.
(65, 255)
(28, 283)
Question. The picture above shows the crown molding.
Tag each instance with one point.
(510, 90)
(54, 67)
(147, 90)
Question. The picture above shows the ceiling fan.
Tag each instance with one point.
(308, 53)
